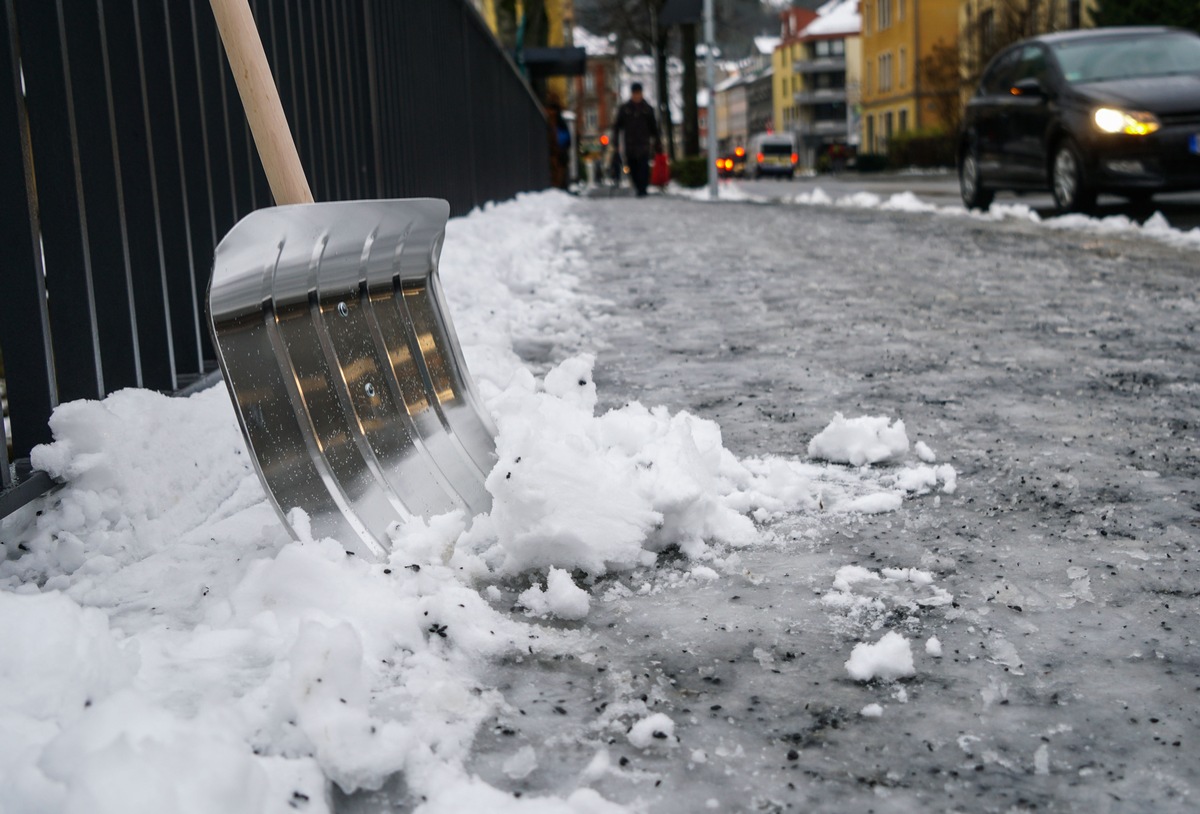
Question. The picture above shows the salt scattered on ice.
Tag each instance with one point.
(888, 659)
(561, 598)
(656, 729)
(859, 441)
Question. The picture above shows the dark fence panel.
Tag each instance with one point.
(125, 156)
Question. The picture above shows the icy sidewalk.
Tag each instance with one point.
(665, 611)
(1056, 371)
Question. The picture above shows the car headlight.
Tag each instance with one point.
(1131, 122)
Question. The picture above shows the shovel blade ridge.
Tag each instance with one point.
(344, 367)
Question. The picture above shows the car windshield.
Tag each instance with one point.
(776, 149)
(1106, 58)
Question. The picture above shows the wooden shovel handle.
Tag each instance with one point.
(260, 98)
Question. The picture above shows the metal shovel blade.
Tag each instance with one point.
(340, 357)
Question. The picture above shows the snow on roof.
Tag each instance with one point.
(595, 45)
(835, 17)
(766, 45)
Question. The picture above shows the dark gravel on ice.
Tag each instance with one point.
(1056, 371)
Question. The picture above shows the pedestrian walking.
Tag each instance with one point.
(636, 120)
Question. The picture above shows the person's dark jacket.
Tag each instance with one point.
(641, 129)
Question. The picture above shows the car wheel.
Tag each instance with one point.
(1068, 180)
(974, 194)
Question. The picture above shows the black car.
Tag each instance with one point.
(1113, 110)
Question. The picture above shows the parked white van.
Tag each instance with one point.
(772, 154)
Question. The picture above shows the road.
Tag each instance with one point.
(1181, 209)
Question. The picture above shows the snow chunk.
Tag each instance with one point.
(849, 575)
(648, 731)
(924, 452)
(562, 597)
(922, 479)
(878, 503)
(871, 711)
(521, 764)
(888, 659)
(933, 647)
(859, 441)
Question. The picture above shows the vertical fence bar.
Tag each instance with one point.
(186, 231)
(25, 341)
(143, 160)
(74, 333)
(369, 38)
(137, 193)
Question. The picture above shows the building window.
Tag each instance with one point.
(866, 17)
(871, 134)
(867, 86)
(904, 120)
(987, 33)
(591, 120)
(900, 10)
(589, 83)
(887, 129)
(903, 67)
(884, 14)
(821, 48)
(885, 73)
(837, 48)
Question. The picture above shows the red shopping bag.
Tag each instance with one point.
(660, 175)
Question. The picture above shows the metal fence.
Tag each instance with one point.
(125, 156)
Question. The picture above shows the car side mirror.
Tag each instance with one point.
(1029, 86)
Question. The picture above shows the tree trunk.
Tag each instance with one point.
(691, 114)
(664, 97)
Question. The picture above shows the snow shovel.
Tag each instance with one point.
(333, 336)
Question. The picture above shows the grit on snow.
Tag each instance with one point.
(819, 508)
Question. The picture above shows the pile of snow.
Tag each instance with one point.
(165, 645)
(1157, 227)
(727, 191)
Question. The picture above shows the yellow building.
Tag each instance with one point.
(787, 83)
(553, 24)
(897, 35)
